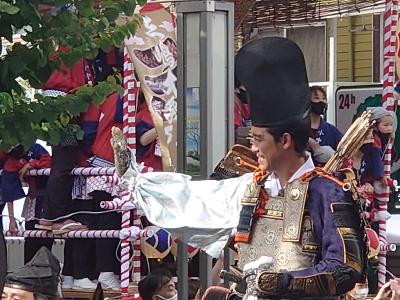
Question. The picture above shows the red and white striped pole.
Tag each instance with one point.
(81, 234)
(383, 192)
(131, 91)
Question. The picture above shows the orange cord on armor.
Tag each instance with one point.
(241, 237)
(320, 172)
(261, 204)
(259, 175)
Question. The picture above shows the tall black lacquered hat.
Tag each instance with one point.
(40, 275)
(274, 74)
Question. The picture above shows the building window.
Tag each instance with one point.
(312, 41)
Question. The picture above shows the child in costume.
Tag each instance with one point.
(371, 168)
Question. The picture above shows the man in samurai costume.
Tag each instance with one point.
(294, 218)
(37, 280)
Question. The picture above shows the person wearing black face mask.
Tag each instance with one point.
(318, 108)
(322, 133)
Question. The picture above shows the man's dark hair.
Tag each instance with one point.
(299, 130)
(315, 88)
(153, 282)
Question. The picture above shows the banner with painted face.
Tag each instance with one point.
(154, 55)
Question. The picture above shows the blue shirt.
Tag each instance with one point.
(11, 187)
(327, 135)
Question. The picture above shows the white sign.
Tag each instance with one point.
(347, 100)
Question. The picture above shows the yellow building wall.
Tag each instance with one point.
(354, 49)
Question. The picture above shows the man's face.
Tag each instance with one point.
(16, 294)
(167, 291)
(267, 149)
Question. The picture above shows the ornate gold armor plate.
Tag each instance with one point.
(284, 232)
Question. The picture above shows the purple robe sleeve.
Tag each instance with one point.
(331, 271)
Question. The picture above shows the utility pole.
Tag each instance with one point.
(205, 39)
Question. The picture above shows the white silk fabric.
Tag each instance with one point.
(200, 213)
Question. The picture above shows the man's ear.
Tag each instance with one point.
(287, 141)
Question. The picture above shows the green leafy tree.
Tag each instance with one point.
(80, 26)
